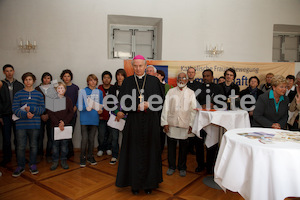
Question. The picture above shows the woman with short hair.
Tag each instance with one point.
(271, 108)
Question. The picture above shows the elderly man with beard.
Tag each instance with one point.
(177, 119)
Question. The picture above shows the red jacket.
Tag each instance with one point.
(105, 114)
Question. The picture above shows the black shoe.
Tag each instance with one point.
(135, 192)
(148, 191)
(199, 169)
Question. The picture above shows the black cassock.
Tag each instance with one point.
(140, 158)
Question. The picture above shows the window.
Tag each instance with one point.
(129, 36)
(128, 41)
(286, 43)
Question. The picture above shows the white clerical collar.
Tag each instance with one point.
(140, 77)
(192, 81)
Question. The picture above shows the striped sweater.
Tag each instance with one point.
(35, 101)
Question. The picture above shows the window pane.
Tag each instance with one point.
(144, 37)
(122, 43)
(123, 51)
(145, 50)
(290, 55)
(276, 42)
(276, 55)
(121, 36)
(291, 42)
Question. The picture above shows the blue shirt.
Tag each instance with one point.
(271, 96)
(89, 117)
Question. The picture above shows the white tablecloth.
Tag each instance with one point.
(256, 170)
(227, 119)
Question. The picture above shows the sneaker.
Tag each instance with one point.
(108, 152)
(170, 172)
(113, 161)
(182, 173)
(18, 171)
(33, 169)
(92, 161)
(100, 153)
(82, 162)
(64, 164)
(54, 165)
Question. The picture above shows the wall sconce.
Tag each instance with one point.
(27, 46)
(214, 50)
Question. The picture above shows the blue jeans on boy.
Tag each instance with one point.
(33, 135)
(6, 133)
(59, 146)
(103, 136)
(114, 139)
(88, 133)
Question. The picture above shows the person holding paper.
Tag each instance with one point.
(72, 92)
(60, 119)
(113, 132)
(28, 105)
(89, 105)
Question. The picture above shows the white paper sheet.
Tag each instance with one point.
(116, 124)
(14, 117)
(65, 134)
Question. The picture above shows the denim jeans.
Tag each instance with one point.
(59, 146)
(114, 139)
(103, 136)
(88, 133)
(6, 133)
(46, 124)
(33, 135)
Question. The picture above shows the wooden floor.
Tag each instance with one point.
(98, 182)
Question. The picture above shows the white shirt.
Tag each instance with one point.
(179, 112)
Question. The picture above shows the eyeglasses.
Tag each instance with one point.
(181, 78)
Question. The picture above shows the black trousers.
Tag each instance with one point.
(183, 147)
(162, 139)
(211, 153)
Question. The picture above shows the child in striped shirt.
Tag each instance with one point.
(28, 105)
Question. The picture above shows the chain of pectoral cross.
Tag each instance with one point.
(141, 97)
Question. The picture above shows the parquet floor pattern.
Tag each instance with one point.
(98, 182)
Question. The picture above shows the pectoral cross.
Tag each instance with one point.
(141, 98)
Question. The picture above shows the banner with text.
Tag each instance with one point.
(244, 70)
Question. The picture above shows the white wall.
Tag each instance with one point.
(73, 33)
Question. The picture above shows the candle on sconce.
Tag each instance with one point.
(21, 43)
(34, 43)
(27, 42)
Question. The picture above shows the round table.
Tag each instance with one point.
(257, 170)
(211, 121)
